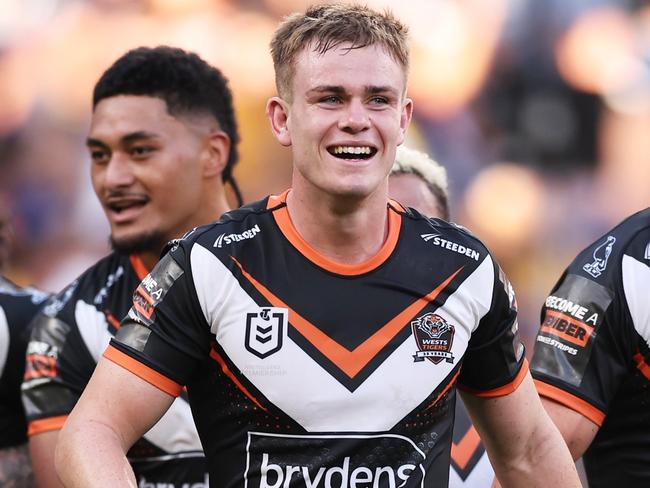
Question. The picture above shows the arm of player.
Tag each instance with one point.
(578, 431)
(103, 426)
(41, 451)
(523, 445)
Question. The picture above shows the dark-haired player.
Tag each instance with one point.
(17, 307)
(592, 355)
(162, 142)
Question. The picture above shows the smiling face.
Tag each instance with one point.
(347, 115)
(146, 171)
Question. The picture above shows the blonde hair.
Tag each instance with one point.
(326, 26)
(412, 161)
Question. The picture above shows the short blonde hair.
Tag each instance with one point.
(326, 26)
(412, 161)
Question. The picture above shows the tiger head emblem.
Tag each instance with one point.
(433, 325)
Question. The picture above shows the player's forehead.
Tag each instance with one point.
(117, 116)
(348, 68)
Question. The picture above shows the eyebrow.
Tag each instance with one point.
(128, 138)
(340, 90)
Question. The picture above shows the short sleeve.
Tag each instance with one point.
(57, 369)
(582, 350)
(494, 364)
(165, 337)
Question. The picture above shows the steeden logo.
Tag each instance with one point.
(226, 239)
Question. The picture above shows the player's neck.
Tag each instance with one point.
(345, 232)
(210, 211)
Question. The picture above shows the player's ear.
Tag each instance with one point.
(277, 111)
(405, 119)
(215, 154)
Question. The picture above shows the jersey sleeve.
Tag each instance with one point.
(164, 337)
(494, 364)
(586, 341)
(58, 365)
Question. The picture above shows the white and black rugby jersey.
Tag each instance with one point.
(17, 308)
(68, 337)
(470, 466)
(302, 372)
(592, 351)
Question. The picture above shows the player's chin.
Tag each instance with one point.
(151, 240)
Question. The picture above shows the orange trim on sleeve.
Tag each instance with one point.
(151, 376)
(641, 365)
(283, 219)
(46, 425)
(140, 269)
(502, 390)
(570, 401)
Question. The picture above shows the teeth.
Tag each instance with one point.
(352, 150)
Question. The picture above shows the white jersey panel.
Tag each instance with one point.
(4, 340)
(175, 431)
(93, 328)
(410, 383)
(636, 285)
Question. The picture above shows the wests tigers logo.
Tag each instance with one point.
(434, 337)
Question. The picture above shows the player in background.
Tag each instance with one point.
(592, 357)
(321, 332)
(419, 182)
(17, 307)
(162, 143)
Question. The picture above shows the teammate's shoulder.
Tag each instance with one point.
(602, 258)
(232, 222)
(28, 294)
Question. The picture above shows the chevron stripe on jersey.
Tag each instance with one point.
(411, 386)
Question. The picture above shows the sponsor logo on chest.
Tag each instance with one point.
(336, 461)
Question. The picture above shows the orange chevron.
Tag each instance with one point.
(350, 362)
(462, 452)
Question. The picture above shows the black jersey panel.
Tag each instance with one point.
(17, 308)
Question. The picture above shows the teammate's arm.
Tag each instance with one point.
(578, 431)
(523, 445)
(114, 411)
(41, 450)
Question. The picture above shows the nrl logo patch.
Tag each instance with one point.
(264, 331)
(434, 337)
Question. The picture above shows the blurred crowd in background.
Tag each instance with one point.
(539, 109)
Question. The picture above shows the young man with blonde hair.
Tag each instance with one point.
(321, 332)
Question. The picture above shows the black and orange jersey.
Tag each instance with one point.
(68, 337)
(592, 354)
(17, 308)
(304, 372)
(470, 466)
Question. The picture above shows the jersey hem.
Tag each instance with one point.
(570, 401)
(41, 426)
(142, 371)
(501, 390)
